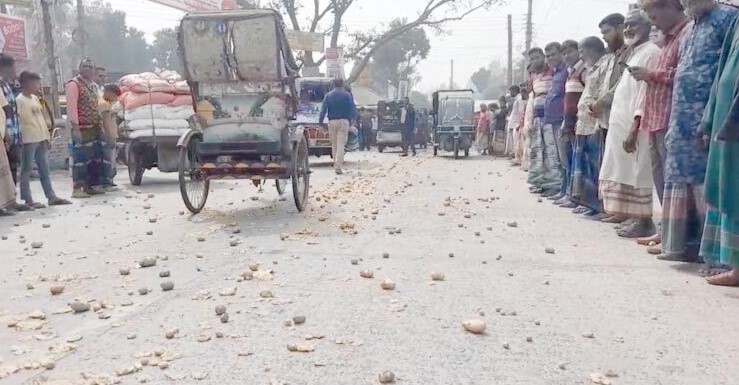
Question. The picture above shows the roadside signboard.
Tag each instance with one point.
(335, 62)
(13, 37)
(305, 41)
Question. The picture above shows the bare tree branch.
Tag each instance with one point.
(292, 13)
(318, 15)
(423, 19)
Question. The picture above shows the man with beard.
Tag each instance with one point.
(669, 17)
(626, 176)
(545, 173)
(687, 157)
(612, 29)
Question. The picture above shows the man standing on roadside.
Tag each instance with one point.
(669, 17)
(87, 133)
(13, 138)
(340, 108)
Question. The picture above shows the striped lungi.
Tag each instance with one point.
(626, 200)
(683, 217)
(720, 242)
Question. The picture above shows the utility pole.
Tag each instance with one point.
(529, 26)
(81, 34)
(510, 50)
(51, 56)
(451, 77)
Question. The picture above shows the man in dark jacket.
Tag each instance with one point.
(341, 110)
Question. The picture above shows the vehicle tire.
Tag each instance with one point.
(300, 174)
(456, 148)
(194, 188)
(134, 164)
(281, 184)
(380, 149)
(436, 150)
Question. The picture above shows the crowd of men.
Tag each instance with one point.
(26, 127)
(606, 125)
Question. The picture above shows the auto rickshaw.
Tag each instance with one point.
(242, 62)
(389, 127)
(454, 126)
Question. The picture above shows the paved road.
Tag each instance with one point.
(650, 322)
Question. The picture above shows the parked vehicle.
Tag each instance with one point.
(389, 125)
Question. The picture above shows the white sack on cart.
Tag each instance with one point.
(142, 124)
(160, 112)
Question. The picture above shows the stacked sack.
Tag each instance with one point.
(162, 101)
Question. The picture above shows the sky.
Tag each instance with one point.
(472, 43)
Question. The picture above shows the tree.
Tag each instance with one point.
(164, 49)
(420, 100)
(481, 79)
(398, 58)
(365, 44)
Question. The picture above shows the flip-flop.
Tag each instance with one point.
(635, 231)
(580, 210)
(730, 279)
(569, 205)
(675, 258)
(614, 219)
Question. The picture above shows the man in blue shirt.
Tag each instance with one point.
(341, 110)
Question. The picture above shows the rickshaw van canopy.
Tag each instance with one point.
(235, 46)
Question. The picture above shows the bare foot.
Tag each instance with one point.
(730, 278)
(655, 239)
(614, 219)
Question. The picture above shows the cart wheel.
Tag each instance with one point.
(193, 186)
(300, 173)
(456, 148)
(135, 167)
(280, 184)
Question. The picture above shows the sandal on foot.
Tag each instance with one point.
(635, 231)
(569, 205)
(36, 205)
(614, 219)
(580, 210)
(21, 207)
(56, 201)
(675, 258)
(730, 279)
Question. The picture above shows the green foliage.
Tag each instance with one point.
(397, 59)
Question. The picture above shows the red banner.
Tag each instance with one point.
(13, 37)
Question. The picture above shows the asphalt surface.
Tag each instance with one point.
(596, 310)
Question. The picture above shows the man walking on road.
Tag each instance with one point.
(340, 108)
